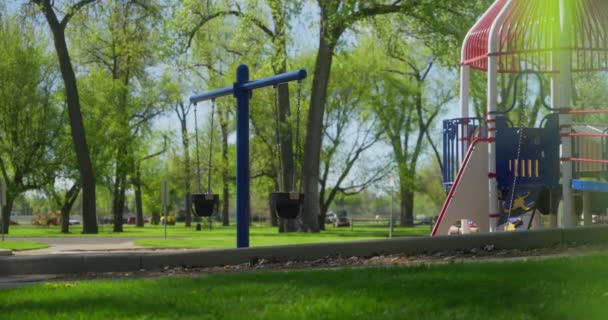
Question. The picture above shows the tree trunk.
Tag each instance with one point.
(6, 214)
(118, 197)
(85, 167)
(65, 219)
(407, 208)
(225, 204)
(274, 220)
(138, 201)
(187, 187)
(322, 215)
(225, 171)
(66, 206)
(287, 151)
(314, 129)
(187, 171)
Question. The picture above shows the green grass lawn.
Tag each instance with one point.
(265, 236)
(22, 245)
(564, 288)
(224, 237)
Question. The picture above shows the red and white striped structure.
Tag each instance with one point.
(547, 36)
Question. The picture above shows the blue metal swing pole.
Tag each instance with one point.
(242, 92)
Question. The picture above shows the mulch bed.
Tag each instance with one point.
(487, 253)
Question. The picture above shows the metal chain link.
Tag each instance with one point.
(298, 148)
(277, 134)
(516, 174)
(198, 160)
(210, 147)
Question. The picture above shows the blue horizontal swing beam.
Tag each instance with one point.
(257, 84)
(241, 90)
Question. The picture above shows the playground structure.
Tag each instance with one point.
(498, 177)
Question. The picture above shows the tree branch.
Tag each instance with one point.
(73, 10)
(219, 14)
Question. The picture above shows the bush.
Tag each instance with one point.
(50, 218)
(171, 219)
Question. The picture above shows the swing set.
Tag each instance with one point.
(205, 204)
(286, 204)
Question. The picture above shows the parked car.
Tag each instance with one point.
(107, 220)
(331, 217)
(427, 220)
(341, 219)
(73, 222)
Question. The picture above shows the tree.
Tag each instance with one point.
(350, 132)
(137, 182)
(182, 111)
(30, 120)
(225, 117)
(406, 111)
(119, 44)
(65, 187)
(336, 17)
(87, 176)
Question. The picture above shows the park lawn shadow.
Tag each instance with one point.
(564, 288)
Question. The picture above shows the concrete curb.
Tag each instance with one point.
(124, 262)
(6, 252)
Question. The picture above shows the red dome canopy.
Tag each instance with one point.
(530, 35)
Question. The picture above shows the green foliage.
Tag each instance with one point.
(30, 119)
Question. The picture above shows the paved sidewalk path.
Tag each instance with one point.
(81, 244)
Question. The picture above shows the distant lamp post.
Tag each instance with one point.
(391, 183)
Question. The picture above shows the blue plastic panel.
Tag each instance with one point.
(539, 154)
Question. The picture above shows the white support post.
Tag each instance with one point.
(537, 222)
(553, 218)
(493, 49)
(465, 84)
(587, 214)
(565, 120)
(464, 226)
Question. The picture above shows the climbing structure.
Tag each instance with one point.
(528, 169)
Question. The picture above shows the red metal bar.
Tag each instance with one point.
(584, 111)
(584, 160)
(585, 135)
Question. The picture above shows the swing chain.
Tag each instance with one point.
(198, 160)
(516, 164)
(210, 147)
(297, 151)
(277, 134)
